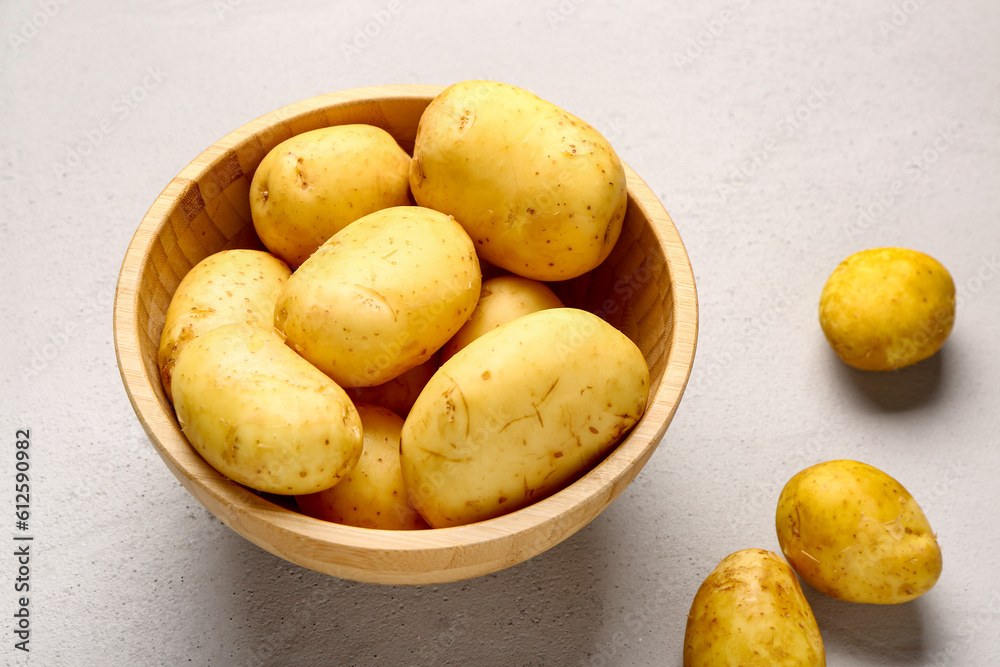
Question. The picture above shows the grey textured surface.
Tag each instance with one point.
(780, 137)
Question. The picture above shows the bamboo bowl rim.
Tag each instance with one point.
(383, 556)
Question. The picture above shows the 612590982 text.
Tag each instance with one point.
(22, 540)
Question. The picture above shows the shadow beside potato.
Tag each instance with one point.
(910, 388)
(884, 634)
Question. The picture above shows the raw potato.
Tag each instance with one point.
(225, 287)
(309, 187)
(263, 416)
(399, 393)
(854, 533)
(540, 191)
(381, 296)
(751, 611)
(887, 308)
(501, 300)
(373, 494)
(519, 413)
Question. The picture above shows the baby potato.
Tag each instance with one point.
(501, 299)
(262, 415)
(373, 494)
(520, 412)
(887, 308)
(381, 296)
(225, 287)
(540, 191)
(751, 611)
(854, 533)
(309, 187)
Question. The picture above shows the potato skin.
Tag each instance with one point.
(540, 191)
(381, 296)
(228, 286)
(854, 533)
(751, 611)
(519, 413)
(501, 299)
(263, 416)
(886, 308)
(312, 185)
(373, 494)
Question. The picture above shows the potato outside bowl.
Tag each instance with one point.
(645, 288)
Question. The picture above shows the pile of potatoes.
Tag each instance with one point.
(363, 364)
(848, 529)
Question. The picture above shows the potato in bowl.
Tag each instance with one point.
(645, 288)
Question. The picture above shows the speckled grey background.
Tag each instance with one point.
(781, 137)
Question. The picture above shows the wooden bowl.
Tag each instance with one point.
(645, 288)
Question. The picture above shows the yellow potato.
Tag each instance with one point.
(751, 611)
(886, 308)
(309, 187)
(501, 299)
(540, 191)
(225, 287)
(373, 495)
(519, 413)
(263, 416)
(854, 533)
(399, 393)
(381, 296)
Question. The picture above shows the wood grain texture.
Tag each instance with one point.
(645, 288)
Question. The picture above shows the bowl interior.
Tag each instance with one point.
(645, 288)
